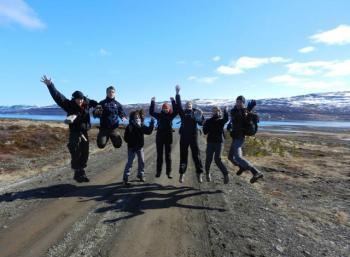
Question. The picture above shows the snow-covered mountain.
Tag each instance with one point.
(320, 106)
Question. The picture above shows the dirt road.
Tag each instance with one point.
(103, 218)
(51, 215)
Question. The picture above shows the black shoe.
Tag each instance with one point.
(256, 177)
(77, 176)
(240, 171)
(141, 178)
(169, 175)
(84, 177)
(226, 179)
(158, 174)
(126, 182)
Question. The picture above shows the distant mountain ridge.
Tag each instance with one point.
(319, 106)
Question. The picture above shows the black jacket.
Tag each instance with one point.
(237, 122)
(82, 122)
(189, 123)
(164, 120)
(214, 128)
(112, 109)
(134, 134)
(238, 118)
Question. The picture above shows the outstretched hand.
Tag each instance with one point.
(177, 88)
(47, 81)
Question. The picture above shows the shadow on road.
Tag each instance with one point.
(132, 201)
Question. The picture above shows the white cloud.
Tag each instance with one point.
(18, 11)
(104, 52)
(323, 68)
(246, 63)
(228, 70)
(308, 68)
(337, 36)
(205, 80)
(308, 83)
(286, 79)
(306, 50)
(338, 69)
(216, 58)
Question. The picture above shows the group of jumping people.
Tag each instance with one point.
(110, 112)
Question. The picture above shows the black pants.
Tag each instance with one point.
(193, 144)
(78, 146)
(105, 134)
(214, 150)
(163, 144)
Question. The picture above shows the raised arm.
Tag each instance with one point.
(178, 102)
(225, 118)
(151, 109)
(59, 98)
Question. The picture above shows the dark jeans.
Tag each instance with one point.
(132, 153)
(105, 134)
(214, 150)
(236, 157)
(78, 146)
(193, 144)
(162, 146)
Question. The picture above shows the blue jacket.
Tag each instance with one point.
(112, 109)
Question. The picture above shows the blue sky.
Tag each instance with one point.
(213, 49)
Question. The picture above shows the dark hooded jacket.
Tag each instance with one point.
(214, 128)
(134, 134)
(82, 122)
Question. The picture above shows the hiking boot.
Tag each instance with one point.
(84, 177)
(169, 175)
(240, 171)
(208, 176)
(77, 176)
(226, 179)
(200, 178)
(158, 174)
(182, 177)
(256, 177)
(141, 178)
(126, 182)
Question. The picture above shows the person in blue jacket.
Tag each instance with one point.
(109, 111)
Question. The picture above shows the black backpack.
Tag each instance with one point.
(251, 124)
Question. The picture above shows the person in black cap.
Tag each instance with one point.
(109, 111)
(236, 128)
(78, 118)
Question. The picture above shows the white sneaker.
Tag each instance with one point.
(200, 178)
(181, 179)
(208, 176)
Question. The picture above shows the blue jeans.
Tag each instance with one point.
(236, 157)
(141, 162)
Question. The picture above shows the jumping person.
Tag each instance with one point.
(109, 111)
(77, 110)
(190, 117)
(134, 137)
(214, 128)
(237, 126)
(164, 136)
